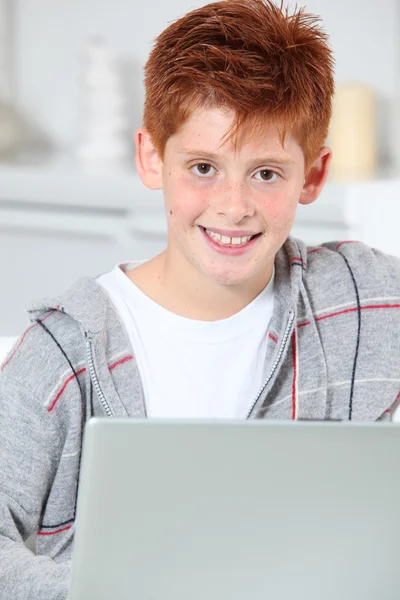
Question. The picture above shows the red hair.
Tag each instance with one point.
(247, 55)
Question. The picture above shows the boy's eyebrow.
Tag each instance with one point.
(283, 160)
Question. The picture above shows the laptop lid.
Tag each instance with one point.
(237, 510)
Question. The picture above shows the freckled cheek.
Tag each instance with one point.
(278, 212)
(186, 204)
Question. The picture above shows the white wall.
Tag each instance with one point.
(50, 33)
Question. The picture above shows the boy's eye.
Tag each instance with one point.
(202, 168)
(267, 175)
(206, 169)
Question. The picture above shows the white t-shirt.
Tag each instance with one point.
(189, 368)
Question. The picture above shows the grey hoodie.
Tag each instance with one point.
(333, 353)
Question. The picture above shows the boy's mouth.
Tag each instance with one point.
(228, 241)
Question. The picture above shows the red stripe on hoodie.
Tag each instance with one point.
(71, 377)
(23, 339)
(350, 310)
(54, 532)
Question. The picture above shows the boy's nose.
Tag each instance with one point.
(234, 203)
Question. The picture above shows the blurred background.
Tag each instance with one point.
(71, 96)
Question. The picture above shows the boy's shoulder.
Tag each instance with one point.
(354, 250)
(38, 364)
(55, 339)
(84, 303)
(70, 337)
(337, 269)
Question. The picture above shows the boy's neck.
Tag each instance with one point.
(191, 296)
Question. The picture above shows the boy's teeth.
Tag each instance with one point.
(227, 241)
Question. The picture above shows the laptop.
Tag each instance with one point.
(238, 510)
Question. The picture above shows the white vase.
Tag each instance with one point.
(104, 142)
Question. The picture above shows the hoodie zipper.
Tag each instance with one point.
(276, 362)
(107, 408)
(95, 379)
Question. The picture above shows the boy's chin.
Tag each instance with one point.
(230, 277)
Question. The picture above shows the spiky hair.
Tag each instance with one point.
(251, 56)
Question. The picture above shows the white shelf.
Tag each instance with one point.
(61, 182)
(58, 220)
(59, 196)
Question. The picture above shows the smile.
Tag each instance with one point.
(228, 241)
(229, 245)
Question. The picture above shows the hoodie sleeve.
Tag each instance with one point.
(29, 453)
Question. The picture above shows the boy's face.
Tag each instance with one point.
(211, 191)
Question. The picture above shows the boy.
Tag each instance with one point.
(235, 319)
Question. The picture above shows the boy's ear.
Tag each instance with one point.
(148, 162)
(316, 177)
